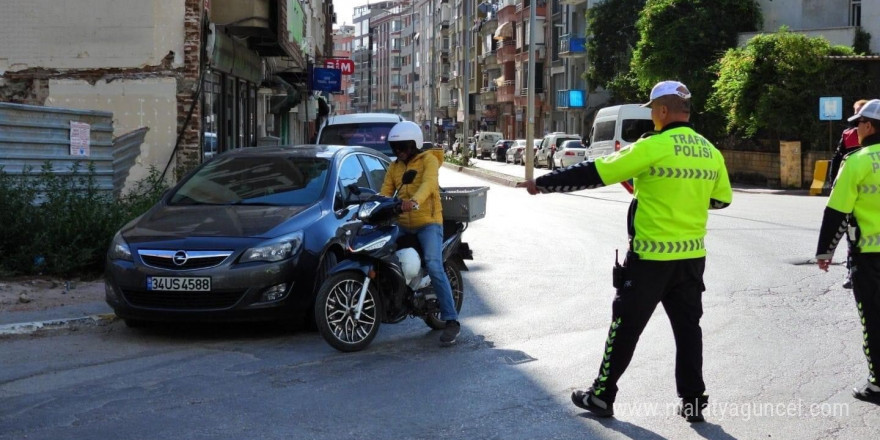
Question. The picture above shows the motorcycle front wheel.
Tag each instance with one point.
(454, 274)
(335, 312)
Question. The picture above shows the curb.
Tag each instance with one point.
(25, 328)
(500, 178)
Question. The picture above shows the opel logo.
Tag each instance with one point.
(179, 258)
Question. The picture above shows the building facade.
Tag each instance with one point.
(203, 76)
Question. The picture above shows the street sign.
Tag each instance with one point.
(345, 65)
(830, 108)
(326, 80)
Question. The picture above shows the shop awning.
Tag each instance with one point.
(504, 31)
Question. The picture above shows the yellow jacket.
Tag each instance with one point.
(425, 189)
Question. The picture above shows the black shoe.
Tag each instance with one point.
(450, 332)
(585, 399)
(868, 392)
(691, 408)
(848, 283)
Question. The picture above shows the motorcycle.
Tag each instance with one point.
(381, 280)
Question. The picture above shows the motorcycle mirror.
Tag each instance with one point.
(409, 176)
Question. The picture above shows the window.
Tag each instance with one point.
(376, 170)
(351, 172)
(604, 131)
(632, 129)
(855, 12)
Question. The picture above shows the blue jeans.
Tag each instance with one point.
(431, 238)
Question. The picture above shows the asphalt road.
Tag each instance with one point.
(782, 348)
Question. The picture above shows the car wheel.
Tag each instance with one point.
(454, 274)
(335, 316)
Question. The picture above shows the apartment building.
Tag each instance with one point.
(343, 39)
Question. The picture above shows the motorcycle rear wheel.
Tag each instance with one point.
(455, 281)
(334, 312)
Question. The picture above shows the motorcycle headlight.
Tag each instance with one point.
(274, 250)
(367, 210)
(119, 249)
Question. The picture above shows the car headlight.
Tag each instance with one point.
(367, 209)
(119, 249)
(275, 250)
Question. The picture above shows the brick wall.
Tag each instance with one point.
(188, 154)
(760, 168)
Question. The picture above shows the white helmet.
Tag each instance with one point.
(406, 131)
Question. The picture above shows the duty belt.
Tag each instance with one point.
(668, 247)
(684, 173)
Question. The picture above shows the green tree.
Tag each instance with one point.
(683, 39)
(771, 87)
(613, 35)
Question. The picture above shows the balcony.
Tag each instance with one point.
(507, 51)
(571, 46)
(505, 92)
(572, 2)
(570, 99)
(489, 58)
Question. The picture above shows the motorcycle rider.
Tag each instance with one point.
(422, 212)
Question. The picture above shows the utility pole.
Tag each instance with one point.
(466, 72)
(530, 97)
(433, 43)
(412, 61)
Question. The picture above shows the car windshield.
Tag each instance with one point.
(268, 180)
(572, 144)
(367, 134)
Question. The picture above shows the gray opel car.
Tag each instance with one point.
(248, 235)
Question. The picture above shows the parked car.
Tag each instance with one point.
(569, 153)
(485, 143)
(499, 153)
(616, 127)
(249, 235)
(364, 129)
(515, 152)
(549, 145)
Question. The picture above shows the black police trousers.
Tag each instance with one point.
(866, 289)
(679, 286)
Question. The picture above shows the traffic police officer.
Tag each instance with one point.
(678, 176)
(854, 208)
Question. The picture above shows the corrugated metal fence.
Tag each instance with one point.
(32, 135)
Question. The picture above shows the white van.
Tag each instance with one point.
(485, 143)
(616, 127)
(365, 129)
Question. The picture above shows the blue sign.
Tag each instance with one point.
(576, 98)
(326, 80)
(831, 108)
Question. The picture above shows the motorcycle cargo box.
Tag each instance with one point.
(464, 204)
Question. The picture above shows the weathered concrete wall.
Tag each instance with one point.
(136, 58)
(90, 34)
(135, 103)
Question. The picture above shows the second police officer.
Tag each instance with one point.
(854, 208)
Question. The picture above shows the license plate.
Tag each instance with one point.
(580, 154)
(179, 284)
